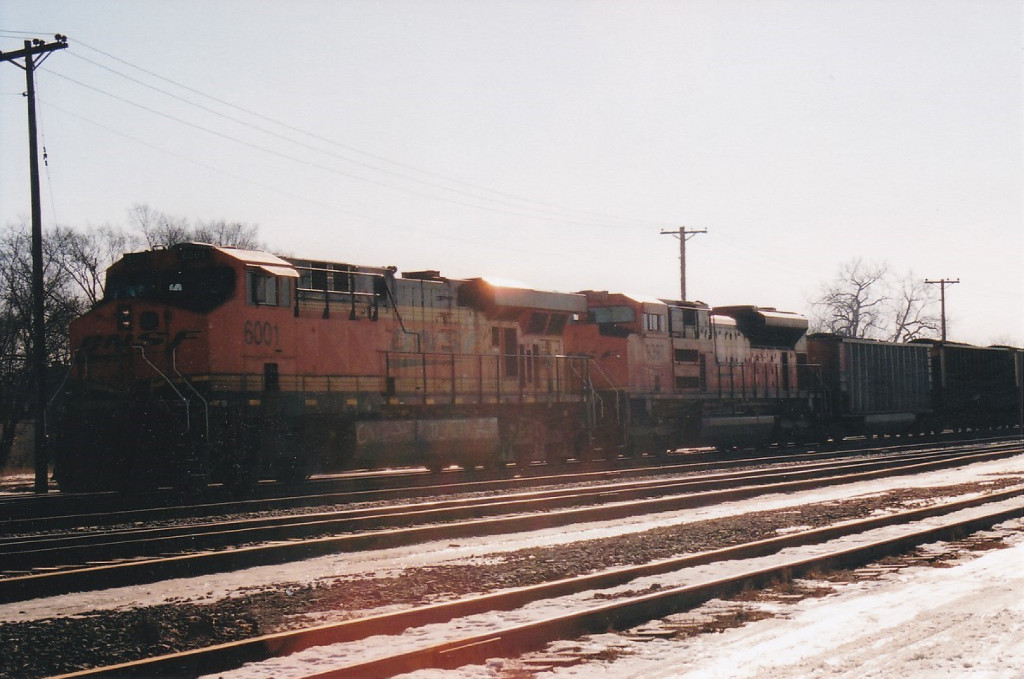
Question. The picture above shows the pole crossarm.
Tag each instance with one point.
(35, 47)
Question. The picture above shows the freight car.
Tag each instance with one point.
(926, 386)
(976, 387)
(871, 387)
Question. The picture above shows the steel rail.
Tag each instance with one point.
(53, 512)
(366, 488)
(48, 552)
(49, 549)
(522, 638)
(23, 587)
(620, 615)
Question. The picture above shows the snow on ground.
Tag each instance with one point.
(864, 621)
(391, 561)
(15, 484)
(922, 623)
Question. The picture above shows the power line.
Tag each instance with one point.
(537, 214)
(276, 189)
(556, 216)
(620, 221)
(19, 34)
(308, 163)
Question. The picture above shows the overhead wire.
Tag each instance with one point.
(246, 180)
(585, 218)
(328, 153)
(308, 163)
(46, 157)
(590, 218)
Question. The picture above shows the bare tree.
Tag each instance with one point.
(852, 305)
(86, 255)
(158, 229)
(235, 234)
(62, 302)
(867, 300)
(912, 310)
(162, 230)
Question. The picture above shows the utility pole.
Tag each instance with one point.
(683, 235)
(33, 48)
(942, 283)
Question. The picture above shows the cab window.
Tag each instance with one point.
(654, 322)
(201, 290)
(262, 288)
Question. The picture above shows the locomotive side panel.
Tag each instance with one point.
(759, 395)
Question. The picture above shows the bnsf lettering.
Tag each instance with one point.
(182, 336)
(458, 430)
(118, 341)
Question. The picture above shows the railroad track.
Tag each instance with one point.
(57, 512)
(50, 565)
(22, 513)
(521, 632)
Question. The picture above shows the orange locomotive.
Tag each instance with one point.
(682, 373)
(207, 363)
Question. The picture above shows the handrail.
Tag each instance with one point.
(206, 405)
(142, 352)
(60, 387)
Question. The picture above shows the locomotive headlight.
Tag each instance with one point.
(124, 317)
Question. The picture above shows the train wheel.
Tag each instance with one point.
(291, 468)
(239, 478)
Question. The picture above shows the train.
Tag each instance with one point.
(205, 364)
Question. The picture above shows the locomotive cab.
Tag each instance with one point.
(138, 409)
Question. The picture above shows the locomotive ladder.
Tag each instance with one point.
(596, 406)
(184, 400)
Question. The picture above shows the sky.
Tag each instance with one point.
(551, 142)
